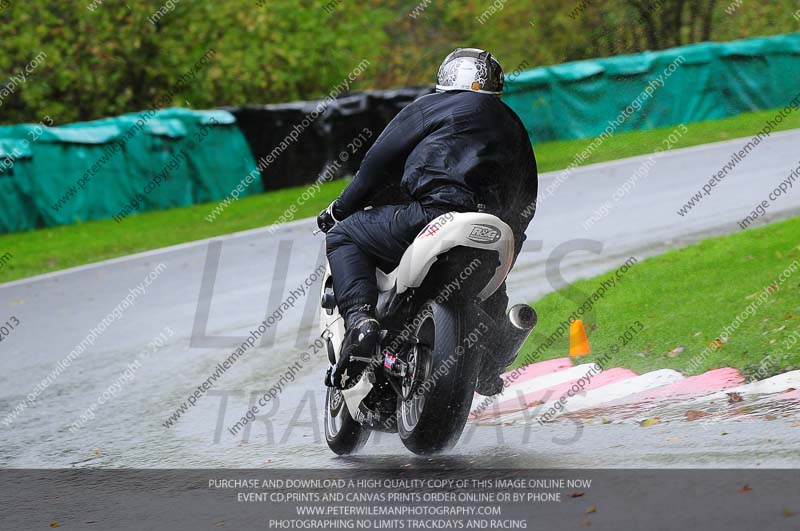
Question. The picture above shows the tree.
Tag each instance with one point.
(111, 59)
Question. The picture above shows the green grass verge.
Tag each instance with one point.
(684, 299)
(560, 154)
(50, 249)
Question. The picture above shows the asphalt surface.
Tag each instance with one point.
(57, 311)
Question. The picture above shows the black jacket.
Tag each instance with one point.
(453, 150)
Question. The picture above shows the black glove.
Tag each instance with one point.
(326, 220)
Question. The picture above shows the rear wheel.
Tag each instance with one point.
(438, 389)
(343, 434)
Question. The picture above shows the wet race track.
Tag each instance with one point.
(133, 395)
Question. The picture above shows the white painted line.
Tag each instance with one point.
(607, 393)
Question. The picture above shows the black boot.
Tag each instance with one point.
(359, 346)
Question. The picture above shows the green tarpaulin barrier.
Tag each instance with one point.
(81, 172)
(78, 172)
(220, 158)
(161, 176)
(656, 89)
(116, 167)
(17, 209)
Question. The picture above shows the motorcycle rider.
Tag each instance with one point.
(456, 150)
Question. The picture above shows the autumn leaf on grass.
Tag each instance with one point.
(674, 353)
(54, 524)
(650, 422)
(734, 397)
(592, 509)
(746, 488)
(772, 287)
(716, 344)
(694, 414)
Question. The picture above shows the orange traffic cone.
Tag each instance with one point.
(578, 342)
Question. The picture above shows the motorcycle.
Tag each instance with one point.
(421, 379)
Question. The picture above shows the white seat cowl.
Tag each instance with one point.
(470, 229)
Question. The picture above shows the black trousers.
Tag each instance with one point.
(378, 237)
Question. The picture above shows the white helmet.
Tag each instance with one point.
(470, 69)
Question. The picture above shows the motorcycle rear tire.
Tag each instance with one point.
(444, 395)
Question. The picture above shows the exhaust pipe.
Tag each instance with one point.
(523, 317)
(515, 330)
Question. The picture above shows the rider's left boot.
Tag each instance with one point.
(362, 336)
